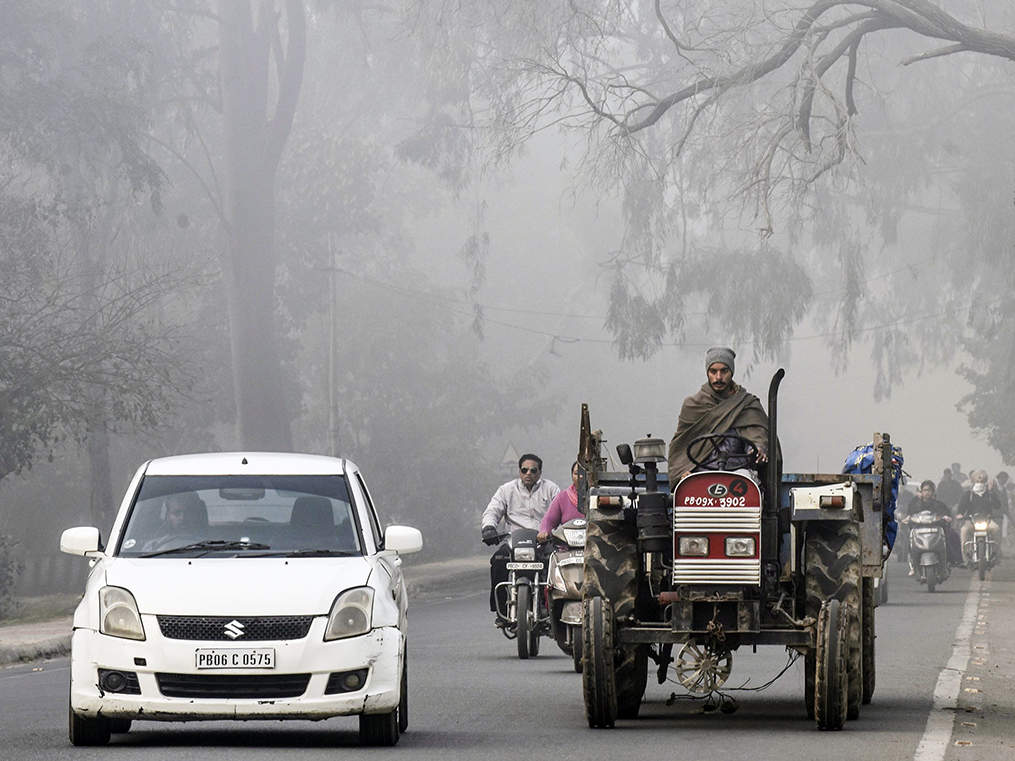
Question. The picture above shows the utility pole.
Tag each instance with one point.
(332, 423)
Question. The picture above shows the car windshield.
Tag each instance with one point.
(193, 516)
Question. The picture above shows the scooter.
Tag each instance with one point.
(525, 618)
(983, 552)
(928, 547)
(564, 591)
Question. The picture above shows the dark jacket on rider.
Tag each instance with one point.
(935, 506)
(976, 504)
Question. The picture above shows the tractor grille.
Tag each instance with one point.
(230, 686)
(738, 520)
(253, 628)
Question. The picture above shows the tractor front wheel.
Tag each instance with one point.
(831, 681)
(598, 676)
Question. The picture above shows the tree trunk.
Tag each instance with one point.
(249, 257)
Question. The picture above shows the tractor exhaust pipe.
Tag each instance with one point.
(772, 476)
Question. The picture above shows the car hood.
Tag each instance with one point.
(237, 586)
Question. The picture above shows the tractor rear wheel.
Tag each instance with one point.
(831, 680)
(867, 636)
(832, 561)
(630, 676)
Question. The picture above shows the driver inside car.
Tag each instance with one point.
(185, 516)
(720, 406)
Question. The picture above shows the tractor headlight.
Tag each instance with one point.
(118, 614)
(351, 614)
(525, 553)
(740, 546)
(696, 546)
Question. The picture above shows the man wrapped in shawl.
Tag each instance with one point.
(720, 406)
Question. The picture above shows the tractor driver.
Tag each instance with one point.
(719, 406)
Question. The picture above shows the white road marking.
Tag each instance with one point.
(938, 733)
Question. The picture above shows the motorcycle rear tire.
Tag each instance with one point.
(981, 558)
(523, 608)
(931, 578)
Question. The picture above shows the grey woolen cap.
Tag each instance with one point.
(722, 354)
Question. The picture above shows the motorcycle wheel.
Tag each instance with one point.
(931, 578)
(981, 558)
(524, 609)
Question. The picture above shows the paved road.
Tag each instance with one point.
(470, 697)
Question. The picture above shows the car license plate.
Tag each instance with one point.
(235, 658)
(513, 566)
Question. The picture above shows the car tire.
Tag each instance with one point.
(379, 729)
(84, 730)
(119, 726)
(403, 698)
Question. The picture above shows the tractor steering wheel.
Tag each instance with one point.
(716, 440)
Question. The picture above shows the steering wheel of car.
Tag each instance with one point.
(715, 441)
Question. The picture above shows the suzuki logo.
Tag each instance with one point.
(234, 629)
(717, 490)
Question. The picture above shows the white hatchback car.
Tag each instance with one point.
(242, 586)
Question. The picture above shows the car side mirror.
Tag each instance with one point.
(403, 539)
(81, 540)
(624, 453)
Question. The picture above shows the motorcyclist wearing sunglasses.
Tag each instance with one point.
(520, 503)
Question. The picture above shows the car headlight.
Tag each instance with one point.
(525, 553)
(693, 545)
(118, 614)
(351, 614)
(980, 525)
(740, 546)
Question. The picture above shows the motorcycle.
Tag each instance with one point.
(983, 549)
(928, 547)
(564, 592)
(525, 617)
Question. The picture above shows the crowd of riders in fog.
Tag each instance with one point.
(958, 496)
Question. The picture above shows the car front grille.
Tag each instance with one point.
(232, 686)
(245, 628)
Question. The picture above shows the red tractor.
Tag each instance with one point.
(729, 558)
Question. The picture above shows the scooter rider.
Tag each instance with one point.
(520, 503)
(563, 508)
(926, 502)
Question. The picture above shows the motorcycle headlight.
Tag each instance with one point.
(575, 537)
(525, 553)
(351, 614)
(696, 546)
(980, 525)
(740, 546)
(118, 614)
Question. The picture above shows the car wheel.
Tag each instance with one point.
(379, 728)
(83, 730)
(119, 726)
(403, 698)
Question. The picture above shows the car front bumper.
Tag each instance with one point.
(379, 651)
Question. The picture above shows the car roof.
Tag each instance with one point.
(244, 463)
